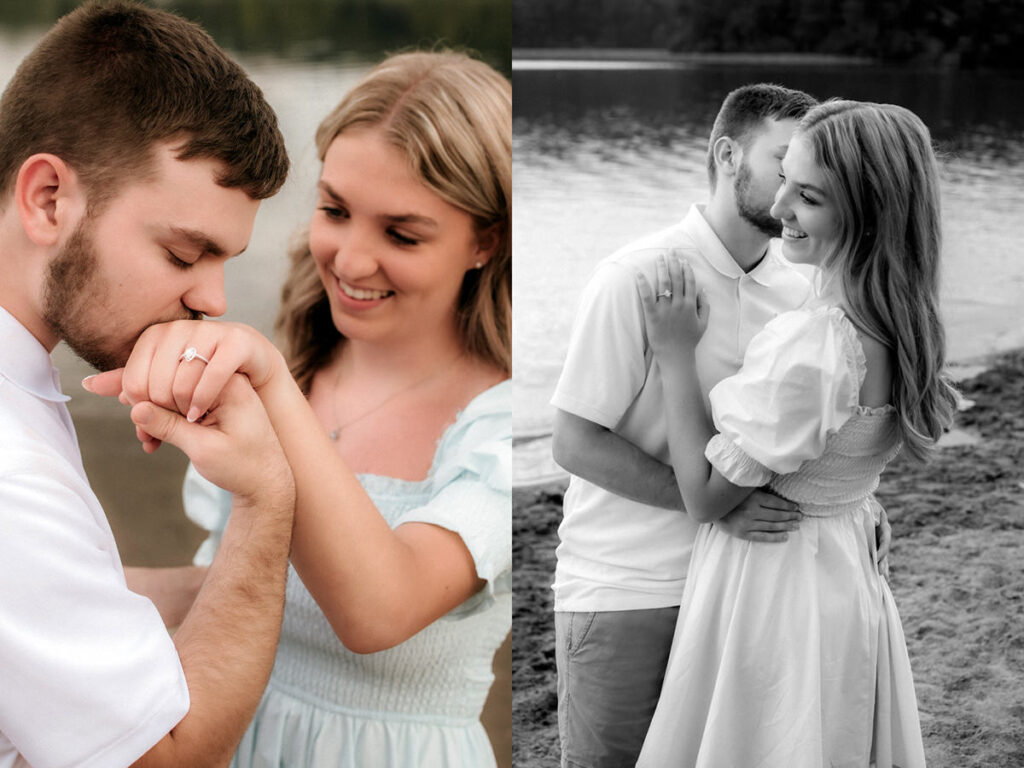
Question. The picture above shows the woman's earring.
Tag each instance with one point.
(479, 265)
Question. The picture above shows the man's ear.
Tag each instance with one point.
(727, 155)
(48, 196)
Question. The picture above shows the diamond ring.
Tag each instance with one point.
(192, 354)
(666, 294)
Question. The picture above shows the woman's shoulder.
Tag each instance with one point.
(479, 442)
(805, 329)
(494, 400)
(815, 343)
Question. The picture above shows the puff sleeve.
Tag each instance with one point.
(472, 488)
(800, 382)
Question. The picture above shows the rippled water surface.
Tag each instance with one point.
(603, 155)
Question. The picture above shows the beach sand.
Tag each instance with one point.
(141, 495)
(957, 575)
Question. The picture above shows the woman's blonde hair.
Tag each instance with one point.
(451, 115)
(880, 169)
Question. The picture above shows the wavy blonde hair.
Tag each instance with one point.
(451, 115)
(879, 167)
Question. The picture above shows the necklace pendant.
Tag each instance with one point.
(334, 433)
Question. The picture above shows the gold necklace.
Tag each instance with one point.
(335, 433)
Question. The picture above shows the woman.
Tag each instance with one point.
(396, 327)
(793, 654)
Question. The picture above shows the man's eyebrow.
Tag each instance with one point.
(397, 218)
(198, 240)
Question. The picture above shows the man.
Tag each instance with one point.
(133, 157)
(625, 544)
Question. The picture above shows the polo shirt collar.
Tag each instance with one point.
(25, 362)
(719, 257)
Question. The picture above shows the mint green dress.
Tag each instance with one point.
(419, 703)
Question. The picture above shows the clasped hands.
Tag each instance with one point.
(209, 408)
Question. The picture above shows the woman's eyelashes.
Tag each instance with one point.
(334, 212)
(401, 239)
(338, 213)
(803, 195)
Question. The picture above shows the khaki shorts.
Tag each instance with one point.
(610, 668)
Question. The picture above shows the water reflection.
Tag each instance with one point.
(605, 156)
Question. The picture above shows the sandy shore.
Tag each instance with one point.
(957, 575)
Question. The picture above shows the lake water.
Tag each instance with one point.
(607, 151)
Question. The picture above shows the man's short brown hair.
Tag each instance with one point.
(745, 110)
(111, 79)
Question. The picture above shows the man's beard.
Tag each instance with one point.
(749, 212)
(72, 287)
(75, 298)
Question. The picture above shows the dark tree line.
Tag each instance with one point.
(322, 29)
(966, 33)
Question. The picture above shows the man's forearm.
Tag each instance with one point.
(228, 640)
(610, 461)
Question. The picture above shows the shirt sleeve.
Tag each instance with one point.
(799, 383)
(88, 673)
(605, 365)
(473, 493)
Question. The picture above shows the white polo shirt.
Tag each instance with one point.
(89, 677)
(616, 554)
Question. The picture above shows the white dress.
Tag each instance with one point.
(791, 655)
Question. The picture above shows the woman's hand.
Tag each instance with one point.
(675, 313)
(162, 370)
(235, 447)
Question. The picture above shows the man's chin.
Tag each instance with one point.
(100, 359)
(765, 225)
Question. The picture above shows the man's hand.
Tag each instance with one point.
(234, 447)
(762, 516)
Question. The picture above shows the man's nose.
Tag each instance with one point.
(206, 295)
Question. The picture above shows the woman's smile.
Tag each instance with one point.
(363, 294)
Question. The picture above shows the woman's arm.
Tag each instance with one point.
(376, 586)
(676, 317)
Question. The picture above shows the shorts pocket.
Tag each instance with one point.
(579, 627)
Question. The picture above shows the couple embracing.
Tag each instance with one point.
(720, 597)
(355, 484)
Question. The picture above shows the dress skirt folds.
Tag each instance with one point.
(792, 655)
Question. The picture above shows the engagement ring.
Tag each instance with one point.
(192, 354)
(662, 295)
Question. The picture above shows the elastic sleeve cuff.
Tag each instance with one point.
(735, 465)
